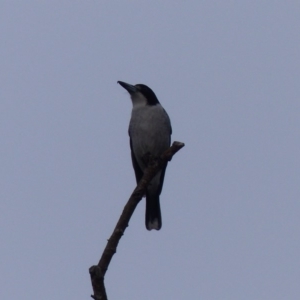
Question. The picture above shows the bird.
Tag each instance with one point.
(150, 134)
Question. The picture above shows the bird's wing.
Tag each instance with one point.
(168, 123)
(163, 169)
(161, 179)
(137, 170)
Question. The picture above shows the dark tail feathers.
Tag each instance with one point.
(153, 215)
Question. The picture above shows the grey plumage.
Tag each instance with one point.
(150, 133)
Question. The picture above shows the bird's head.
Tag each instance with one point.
(141, 95)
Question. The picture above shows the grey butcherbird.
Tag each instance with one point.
(150, 133)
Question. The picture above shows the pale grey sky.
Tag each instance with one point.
(227, 72)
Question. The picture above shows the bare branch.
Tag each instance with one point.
(97, 273)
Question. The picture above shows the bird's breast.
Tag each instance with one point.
(149, 130)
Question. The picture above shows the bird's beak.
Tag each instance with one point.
(130, 88)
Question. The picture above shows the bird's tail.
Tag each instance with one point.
(153, 215)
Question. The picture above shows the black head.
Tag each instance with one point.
(140, 94)
(148, 93)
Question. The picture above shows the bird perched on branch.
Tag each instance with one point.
(150, 134)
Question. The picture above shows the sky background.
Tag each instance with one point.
(227, 73)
